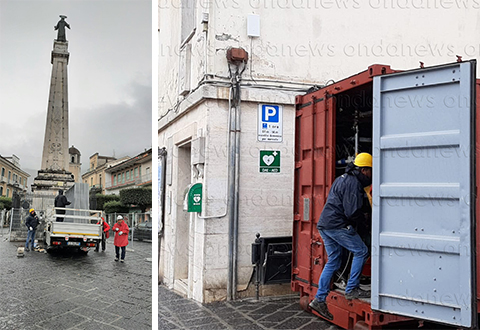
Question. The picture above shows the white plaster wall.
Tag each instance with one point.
(315, 40)
(168, 61)
(266, 202)
(318, 40)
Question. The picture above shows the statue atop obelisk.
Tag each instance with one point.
(61, 25)
(54, 172)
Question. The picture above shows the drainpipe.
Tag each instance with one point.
(236, 57)
(237, 185)
(162, 154)
(231, 200)
(234, 176)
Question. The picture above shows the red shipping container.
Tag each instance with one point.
(330, 123)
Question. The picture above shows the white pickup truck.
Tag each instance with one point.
(83, 233)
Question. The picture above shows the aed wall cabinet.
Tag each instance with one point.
(421, 127)
(194, 198)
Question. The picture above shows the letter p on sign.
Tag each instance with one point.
(270, 113)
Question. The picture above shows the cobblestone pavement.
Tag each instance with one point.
(75, 291)
(176, 312)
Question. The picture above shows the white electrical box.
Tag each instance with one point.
(253, 25)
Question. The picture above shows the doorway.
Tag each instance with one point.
(182, 227)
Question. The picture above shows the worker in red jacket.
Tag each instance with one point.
(121, 237)
(105, 234)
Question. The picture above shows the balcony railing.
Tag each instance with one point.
(136, 181)
(143, 179)
(12, 183)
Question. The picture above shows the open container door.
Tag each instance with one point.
(423, 192)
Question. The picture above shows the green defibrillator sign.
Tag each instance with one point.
(269, 161)
(195, 198)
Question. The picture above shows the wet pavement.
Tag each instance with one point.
(74, 290)
(176, 312)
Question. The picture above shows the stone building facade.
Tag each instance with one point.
(95, 176)
(134, 172)
(12, 177)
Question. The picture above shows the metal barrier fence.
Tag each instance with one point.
(132, 219)
(4, 222)
(18, 230)
(16, 216)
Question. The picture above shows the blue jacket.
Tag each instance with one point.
(31, 221)
(344, 203)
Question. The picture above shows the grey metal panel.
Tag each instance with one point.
(422, 172)
(306, 209)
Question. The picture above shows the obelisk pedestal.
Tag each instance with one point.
(54, 172)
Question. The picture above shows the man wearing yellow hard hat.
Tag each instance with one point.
(337, 226)
(31, 222)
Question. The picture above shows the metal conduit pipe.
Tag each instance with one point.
(237, 185)
(234, 175)
(282, 82)
(231, 200)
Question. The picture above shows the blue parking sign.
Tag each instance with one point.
(270, 113)
(270, 126)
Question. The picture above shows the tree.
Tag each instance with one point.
(103, 199)
(141, 197)
(5, 203)
(115, 207)
(93, 197)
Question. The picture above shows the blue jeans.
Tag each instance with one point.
(334, 240)
(117, 250)
(30, 236)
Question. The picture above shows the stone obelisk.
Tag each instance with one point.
(54, 172)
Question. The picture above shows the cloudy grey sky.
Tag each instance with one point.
(109, 76)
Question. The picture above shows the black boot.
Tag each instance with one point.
(321, 308)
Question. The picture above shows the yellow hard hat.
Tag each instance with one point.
(31, 210)
(363, 160)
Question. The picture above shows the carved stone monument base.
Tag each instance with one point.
(53, 180)
(48, 183)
